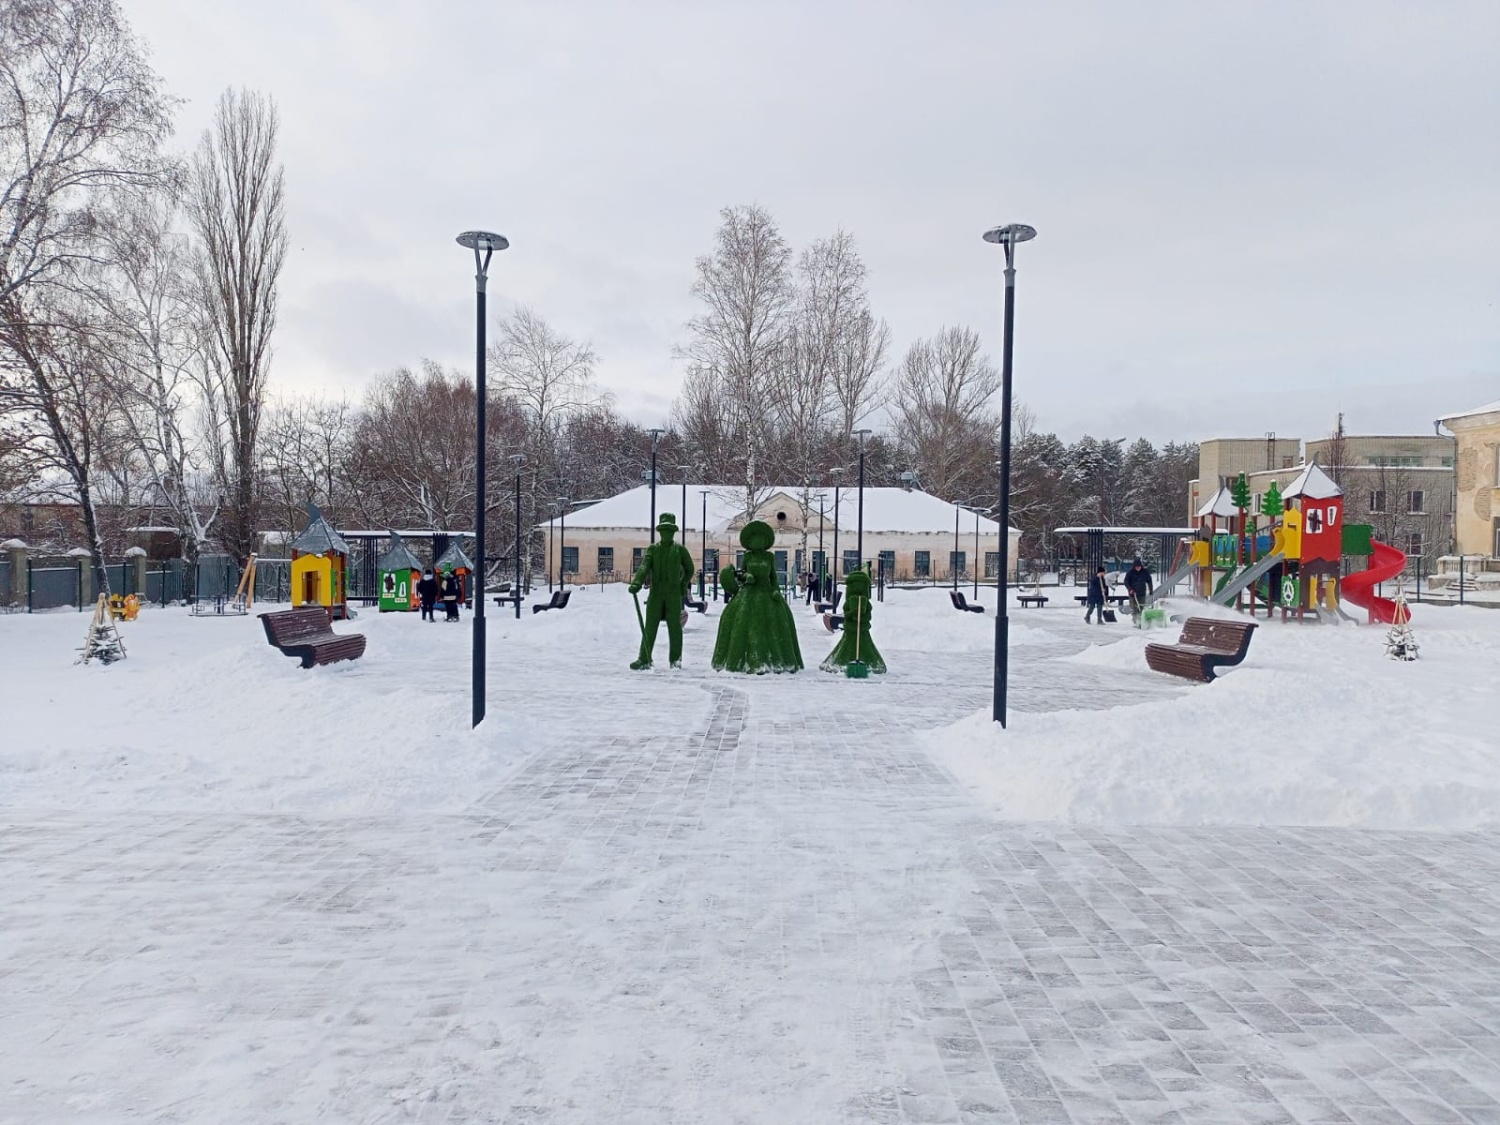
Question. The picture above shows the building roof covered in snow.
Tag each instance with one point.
(318, 537)
(1487, 408)
(399, 557)
(1312, 483)
(886, 509)
(453, 559)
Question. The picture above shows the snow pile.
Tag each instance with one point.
(1317, 727)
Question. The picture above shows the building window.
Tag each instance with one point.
(1288, 462)
(1416, 502)
(992, 564)
(1496, 552)
(606, 562)
(1377, 500)
(819, 561)
(957, 563)
(851, 562)
(1414, 545)
(570, 560)
(780, 565)
(637, 556)
(888, 563)
(739, 560)
(922, 564)
(711, 561)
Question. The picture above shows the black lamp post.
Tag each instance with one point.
(1006, 236)
(519, 459)
(551, 541)
(953, 565)
(822, 558)
(838, 563)
(562, 543)
(484, 244)
(703, 550)
(655, 440)
(859, 542)
(976, 556)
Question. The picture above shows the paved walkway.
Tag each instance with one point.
(785, 914)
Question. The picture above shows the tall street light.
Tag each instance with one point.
(976, 555)
(703, 551)
(518, 459)
(655, 441)
(1007, 236)
(953, 565)
(562, 542)
(683, 471)
(859, 543)
(484, 244)
(838, 563)
(822, 568)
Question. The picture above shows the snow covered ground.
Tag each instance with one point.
(234, 890)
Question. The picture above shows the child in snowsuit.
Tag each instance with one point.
(427, 592)
(450, 596)
(1097, 596)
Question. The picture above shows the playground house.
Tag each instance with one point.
(910, 534)
(399, 572)
(320, 558)
(454, 559)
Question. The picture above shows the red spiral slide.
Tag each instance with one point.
(1359, 589)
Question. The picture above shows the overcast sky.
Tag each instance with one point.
(1251, 216)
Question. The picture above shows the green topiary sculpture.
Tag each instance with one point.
(855, 643)
(666, 567)
(756, 631)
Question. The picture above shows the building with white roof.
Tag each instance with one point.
(1477, 483)
(909, 532)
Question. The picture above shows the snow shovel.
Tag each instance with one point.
(857, 669)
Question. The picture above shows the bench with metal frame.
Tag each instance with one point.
(1206, 644)
(559, 601)
(1038, 600)
(961, 602)
(308, 635)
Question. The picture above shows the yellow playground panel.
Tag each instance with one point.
(126, 606)
(315, 581)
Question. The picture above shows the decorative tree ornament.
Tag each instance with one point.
(1400, 644)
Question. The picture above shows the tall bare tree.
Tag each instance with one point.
(738, 341)
(82, 121)
(942, 403)
(236, 203)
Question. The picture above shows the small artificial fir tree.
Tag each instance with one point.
(1400, 644)
(1239, 492)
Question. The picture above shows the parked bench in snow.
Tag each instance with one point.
(1205, 645)
(559, 601)
(308, 635)
(833, 622)
(1031, 599)
(961, 602)
(828, 606)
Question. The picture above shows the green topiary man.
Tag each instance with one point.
(666, 567)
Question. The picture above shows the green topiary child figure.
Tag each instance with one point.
(855, 643)
(666, 567)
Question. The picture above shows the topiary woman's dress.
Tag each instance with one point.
(855, 643)
(757, 633)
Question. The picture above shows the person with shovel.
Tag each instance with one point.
(667, 568)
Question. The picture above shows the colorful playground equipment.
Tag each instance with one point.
(1295, 564)
(453, 559)
(399, 572)
(320, 560)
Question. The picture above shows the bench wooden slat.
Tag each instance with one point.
(1206, 644)
(307, 635)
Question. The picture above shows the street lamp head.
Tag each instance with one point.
(518, 458)
(478, 240)
(1010, 234)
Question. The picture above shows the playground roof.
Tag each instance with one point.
(399, 557)
(1312, 484)
(453, 559)
(886, 509)
(1128, 530)
(405, 533)
(1220, 504)
(318, 538)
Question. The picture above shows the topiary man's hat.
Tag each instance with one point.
(666, 522)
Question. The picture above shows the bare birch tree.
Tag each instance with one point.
(736, 344)
(236, 203)
(944, 422)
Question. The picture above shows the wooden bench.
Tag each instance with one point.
(1205, 644)
(559, 601)
(1118, 599)
(961, 602)
(307, 634)
(1031, 599)
(833, 622)
(830, 605)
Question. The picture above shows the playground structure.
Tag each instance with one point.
(320, 557)
(399, 572)
(455, 561)
(1295, 564)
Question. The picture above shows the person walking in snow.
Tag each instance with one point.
(427, 592)
(1138, 586)
(1097, 598)
(450, 596)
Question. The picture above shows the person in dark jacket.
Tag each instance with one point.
(450, 596)
(1097, 597)
(427, 592)
(1138, 586)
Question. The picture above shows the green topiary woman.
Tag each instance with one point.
(855, 643)
(756, 631)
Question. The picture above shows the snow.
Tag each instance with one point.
(886, 509)
(1487, 408)
(1318, 727)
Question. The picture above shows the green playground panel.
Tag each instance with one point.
(1359, 539)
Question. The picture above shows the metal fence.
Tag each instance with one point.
(7, 598)
(51, 587)
(273, 580)
(165, 584)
